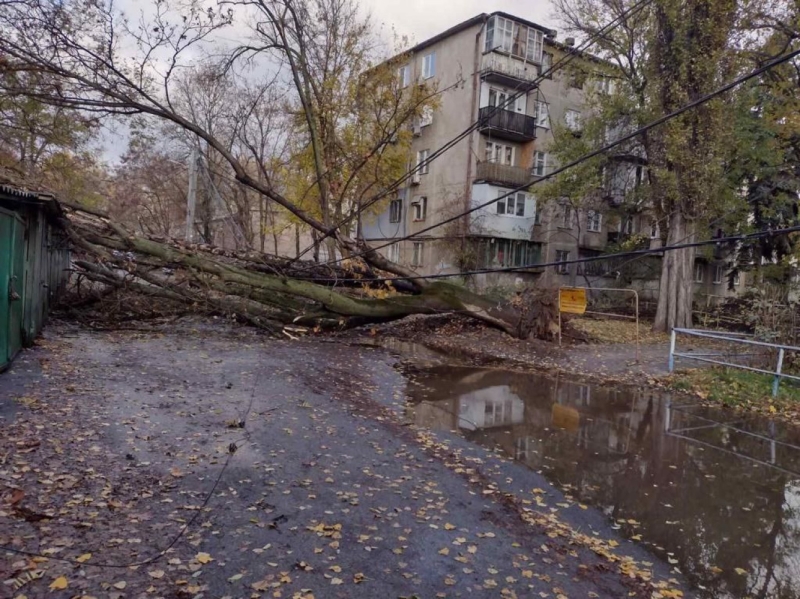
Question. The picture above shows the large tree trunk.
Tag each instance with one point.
(269, 294)
(676, 290)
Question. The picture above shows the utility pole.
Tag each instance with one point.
(191, 195)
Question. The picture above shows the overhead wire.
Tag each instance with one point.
(594, 153)
(232, 449)
(539, 265)
(510, 101)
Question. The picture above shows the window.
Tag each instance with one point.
(562, 256)
(499, 153)
(566, 216)
(698, 272)
(513, 205)
(429, 65)
(497, 412)
(540, 164)
(416, 257)
(508, 253)
(537, 216)
(594, 221)
(507, 36)
(547, 64)
(396, 211)
(608, 85)
(719, 273)
(499, 34)
(422, 162)
(420, 207)
(393, 252)
(573, 120)
(541, 114)
(404, 75)
(655, 230)
(737, 280)
(506, 100)
(626, 226)
(427, 117)
(535, 45)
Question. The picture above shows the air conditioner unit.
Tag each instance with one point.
(416, 178)
(417, 128)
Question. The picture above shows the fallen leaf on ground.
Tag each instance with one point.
(59, 584)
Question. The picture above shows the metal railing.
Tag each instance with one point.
(778, 373)
(516, 124)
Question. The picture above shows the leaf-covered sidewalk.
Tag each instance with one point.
(112, 444)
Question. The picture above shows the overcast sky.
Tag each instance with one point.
(421, 19)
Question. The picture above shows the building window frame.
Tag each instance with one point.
(418, 254)
(404, 75)
(423, 167)
(512, 205)
(699, 272)
(562, 256)
(429, 66)
(719, 273)
(541, 114)
(594, 221)
(539, 164)
(420, 207)
(393, 252)
(566, 216)
(396, 210)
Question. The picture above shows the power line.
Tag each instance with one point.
(655, 123)
(631, 253)
(563, 61)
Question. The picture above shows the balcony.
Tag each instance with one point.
(506, 70)
(506, 124)
(502, 174)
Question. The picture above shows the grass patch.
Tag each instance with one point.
(739, 388)
(613, 331)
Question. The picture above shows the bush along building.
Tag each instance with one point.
(479, 66)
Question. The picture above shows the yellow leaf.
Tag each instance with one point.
(740, 571)
(449, 526)
(359, 577)
(613, 544)
(337, 581)
(444, 551)
(472, 549)
(83, 558)
(156, 574)
(120, 585)
(203, 558)
(59, 584)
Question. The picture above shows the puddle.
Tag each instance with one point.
(718, 497)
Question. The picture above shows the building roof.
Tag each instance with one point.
(16, 187)
(478, 19)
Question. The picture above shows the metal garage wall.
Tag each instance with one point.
(12, 275)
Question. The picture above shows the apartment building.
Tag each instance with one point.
(479, 65)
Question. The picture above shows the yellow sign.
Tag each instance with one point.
(572, 300)
(566, 418)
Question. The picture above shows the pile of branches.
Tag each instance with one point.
(160, 277)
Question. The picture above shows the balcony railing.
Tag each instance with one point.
(503, 174)
(507, 70)
(507, 124)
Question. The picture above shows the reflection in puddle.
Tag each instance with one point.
(718, 495)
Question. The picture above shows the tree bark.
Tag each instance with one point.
(246, 291)
(676, 290)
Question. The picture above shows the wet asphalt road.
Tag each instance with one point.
(330, 493)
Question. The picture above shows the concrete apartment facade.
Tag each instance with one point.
(478, 65)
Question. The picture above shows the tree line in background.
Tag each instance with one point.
(296, 121)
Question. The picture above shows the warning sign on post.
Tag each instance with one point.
(572, 300)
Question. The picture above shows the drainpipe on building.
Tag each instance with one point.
(471, 146)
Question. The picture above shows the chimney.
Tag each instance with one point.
(570, 41)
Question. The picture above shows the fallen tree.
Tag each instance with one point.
(272, 292)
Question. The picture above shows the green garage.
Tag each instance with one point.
(34, 264)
